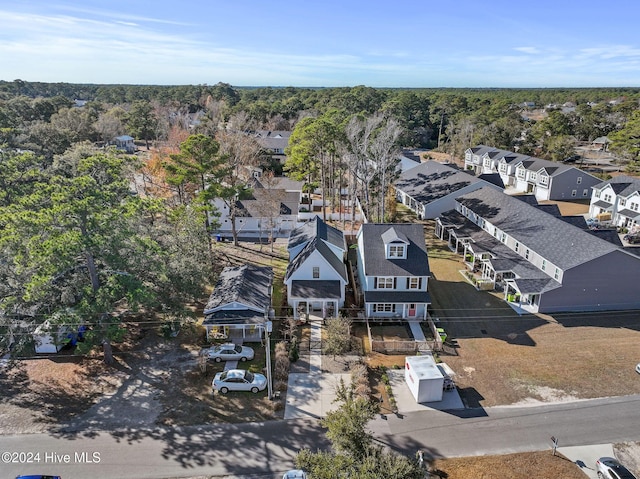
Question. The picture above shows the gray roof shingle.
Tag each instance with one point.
(375, 261)
(317, 245)
(559, 242)
(247, 284)
(431, 180)
(316, 228)
(311, 289)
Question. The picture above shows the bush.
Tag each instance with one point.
(281, 366)
(360, 380)
(294, 352)
(280, 385)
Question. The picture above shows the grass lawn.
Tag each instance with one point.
(506, 359)
(541, 465)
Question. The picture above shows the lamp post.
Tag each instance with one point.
(267, 330)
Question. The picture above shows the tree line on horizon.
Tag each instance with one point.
(446, 119)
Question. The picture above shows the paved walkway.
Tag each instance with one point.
(313, 394)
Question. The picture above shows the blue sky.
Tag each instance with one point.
(417, 43)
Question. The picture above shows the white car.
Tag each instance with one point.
(229, 352)
(295, 474)
(610, 468)
(239, 380)
(638, 368)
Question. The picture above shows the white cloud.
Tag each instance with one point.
(529, 50)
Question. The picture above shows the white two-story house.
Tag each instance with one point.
(317, 275)
(393, 270)
(547, 180)
(619, 200)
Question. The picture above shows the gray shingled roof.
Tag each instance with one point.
(255, 206)
(559, 242)
(316, 228)
(224, 317)
(317, 245)
(282, 183)
(506, 260)
(622, 185)
(431, 180)
(628, 213)
(273, 139)
(391, 235)
(603, 204)
(375, 262)
(246, 284)
(316, 289)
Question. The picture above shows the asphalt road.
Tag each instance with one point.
(264, 450)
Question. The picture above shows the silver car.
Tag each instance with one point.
(229, 352)
(610, 468)
(239, 380)
(295, 474)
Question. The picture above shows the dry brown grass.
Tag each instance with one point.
(505, 358)
(541, 465)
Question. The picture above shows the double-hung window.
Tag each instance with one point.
(385, 282)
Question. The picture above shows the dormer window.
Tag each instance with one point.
(395, 244)
(397, 251)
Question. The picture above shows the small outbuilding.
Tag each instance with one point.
(51, 339)
(424, 378)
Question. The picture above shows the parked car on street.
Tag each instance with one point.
(239, 380)
(38, 477)
(572, 159)
(632, 238)
(610, 468)
(295, 474)
(229, 352)
(638, 368)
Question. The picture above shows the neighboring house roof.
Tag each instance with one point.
(316, 228)
(493, 178)
(273, 140)
(601, 140)
(553, 210)
(255, 206)
(559, 242)
(481, 149)
(124, 138)
(621, 185)
(503, 259)
(248, 285)
(312, 246)
(431, 181)
(374, 256)
(280, 182)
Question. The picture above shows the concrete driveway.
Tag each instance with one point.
(585, 457)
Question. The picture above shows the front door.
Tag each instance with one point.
(412, 310)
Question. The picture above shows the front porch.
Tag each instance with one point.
(250, 333)
(521, 302)
(323, 307)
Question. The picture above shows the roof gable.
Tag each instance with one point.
(316, 228)
(319, 247)
(393, 236)
(374, 257)
(248, 285)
